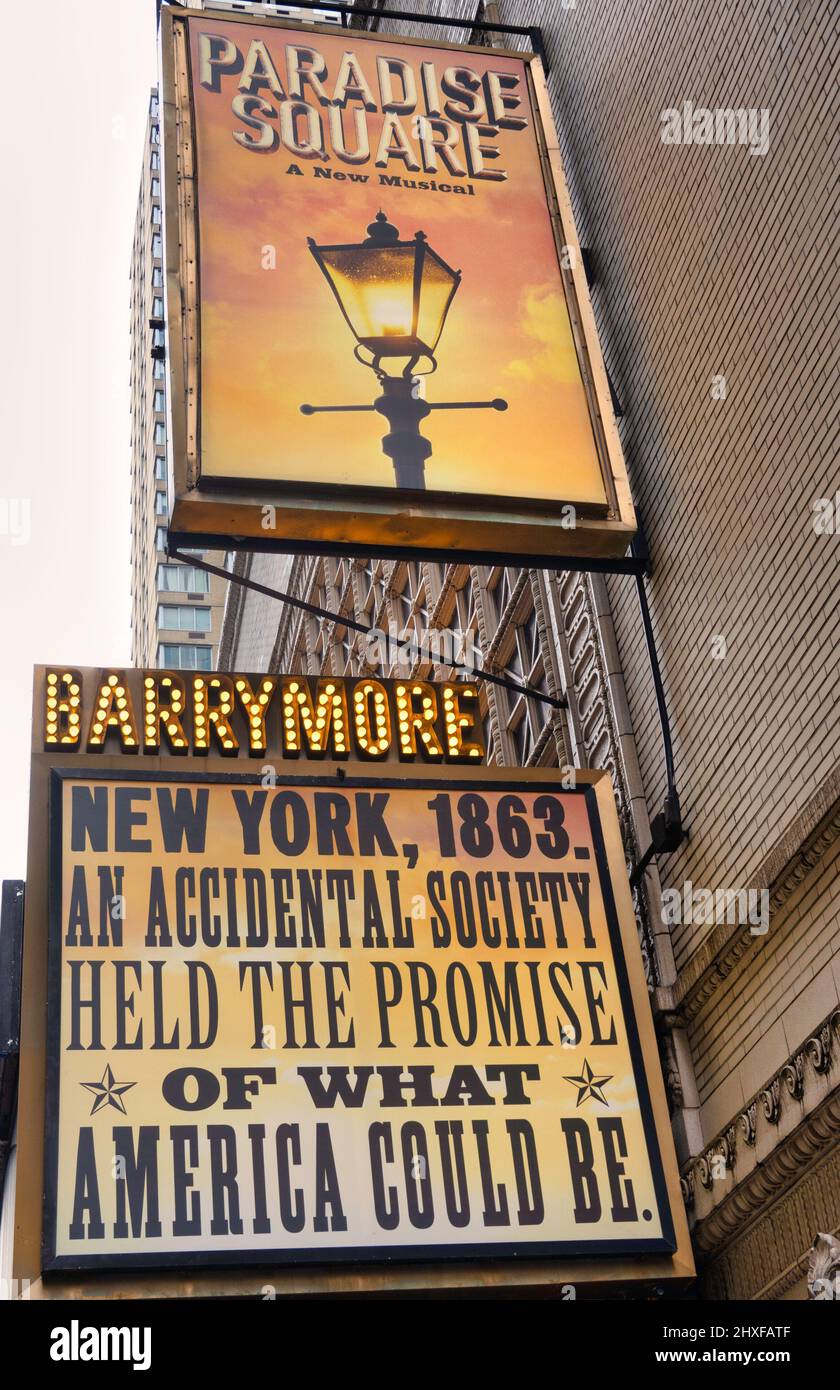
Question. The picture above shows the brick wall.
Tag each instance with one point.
(712, 261)
(780, 990)
(258, 615)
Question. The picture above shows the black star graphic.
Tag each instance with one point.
(589, 1084)
(108, 1091)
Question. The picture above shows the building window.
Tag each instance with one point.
(155, 134)
(373, 588)
(161, 508)
(502, 588)
(157, 278)
(183, 656)
(156, 214)
(184, 617)
(160, 432)
(160, 468)
(182, 579)
(160, 538)
(157, 307)
(467, 646)
(340, 574)
(159, 369)
(159, 403)
(155, 161)
(524, 662)
(158, 340)
(155, 188)
(465, 614)
(157, 246)
(413, 611)
(343, 644)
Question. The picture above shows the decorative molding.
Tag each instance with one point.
(815, 1137)
(687, 1187)
(819, 1048)
(746, 1122)
(592, 692)
(767, 1256)
(817, 820)
(670, 1063)
(771, 1101)
(823, 1264)
(817, 1132)
(440, 612)
(549, 654)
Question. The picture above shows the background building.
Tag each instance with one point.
(176, 609)
(713, 289)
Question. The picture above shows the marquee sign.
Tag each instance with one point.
(379, 332)
(308, 1022)
(303, 1011)
(182, 713)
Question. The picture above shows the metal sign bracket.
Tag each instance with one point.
(667, 831)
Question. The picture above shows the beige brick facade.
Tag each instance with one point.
(710, 263)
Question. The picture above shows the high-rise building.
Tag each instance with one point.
(176, 608)
(713, 285)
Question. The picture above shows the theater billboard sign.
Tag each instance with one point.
(379, 332)
(308, 985)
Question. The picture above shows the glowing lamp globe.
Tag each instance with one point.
(394, 295)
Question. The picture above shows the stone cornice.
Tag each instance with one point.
(773, 1108)
(782, 1246)
(792, 859)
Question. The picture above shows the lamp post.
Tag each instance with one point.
(394, 296)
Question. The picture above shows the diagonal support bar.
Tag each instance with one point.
(317, 612)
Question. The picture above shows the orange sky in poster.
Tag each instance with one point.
(272, 339)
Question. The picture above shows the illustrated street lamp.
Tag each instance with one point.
(394, 296)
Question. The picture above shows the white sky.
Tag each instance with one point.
(74, 101)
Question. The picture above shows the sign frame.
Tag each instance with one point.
(592, 1275)
(357, 777)
(351, 519)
